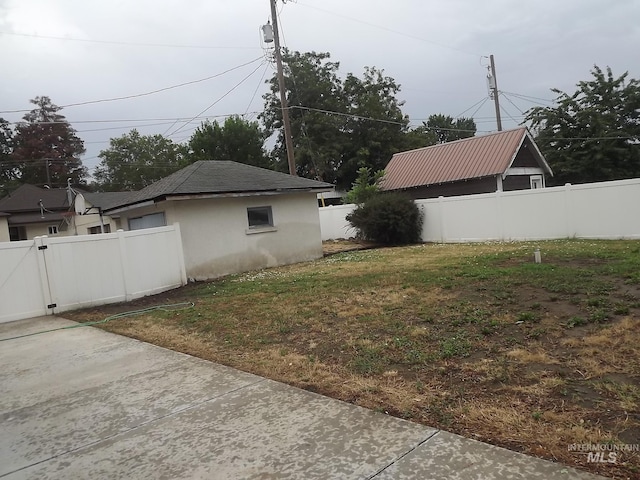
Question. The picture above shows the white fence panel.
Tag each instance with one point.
(87, 270)
(597, 210)
(152, 260)
(21, 292)
(84, 271)
(606, 210)
(533, 214)
(333, 224)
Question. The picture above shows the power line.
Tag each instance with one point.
(528, 98)
(165, 119)
(479, 107)
(481, 101)
(116, 42)
(123, 127)
(509, 100)
(126, 97)
(508, 114)
(218, 100)
(257, 88)
(380, 120)
(358, 117)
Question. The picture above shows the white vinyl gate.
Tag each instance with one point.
(50, 275)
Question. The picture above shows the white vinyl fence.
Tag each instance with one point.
(49, 275)
(606, 210)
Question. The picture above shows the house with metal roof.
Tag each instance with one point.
(31, 211)
(233, 217)
(502, 161)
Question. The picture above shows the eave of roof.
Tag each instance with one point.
(30, 218)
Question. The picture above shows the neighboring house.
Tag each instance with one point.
(502, 161)
(233, 217)
(30, 211)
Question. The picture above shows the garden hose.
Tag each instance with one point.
(166, 308)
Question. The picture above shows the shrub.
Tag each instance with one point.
(390, 219)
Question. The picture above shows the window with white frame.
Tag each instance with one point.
(259, 217)
(53, 229)
(536, 181)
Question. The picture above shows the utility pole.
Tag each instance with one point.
(283, 95)
(493, 87)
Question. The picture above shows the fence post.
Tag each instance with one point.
(124, 264)
(499, 214)
(40, 244)
(441, 219)
(567, 211)
(180, 253)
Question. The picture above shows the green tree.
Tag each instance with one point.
(446, 129)
(313, 89)
(8, 170)
(237, 139)
(418, 137)
(46, 149)
(366, 185)
(592, 135)
(338, 126)
(134, 161)
(376, 126)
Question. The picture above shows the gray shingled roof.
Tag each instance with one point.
(210, 177)
(27, 197)
(107, 200)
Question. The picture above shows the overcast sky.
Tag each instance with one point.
(434, 49)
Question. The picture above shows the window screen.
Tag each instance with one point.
(260, 217)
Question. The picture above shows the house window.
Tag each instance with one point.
(53, 229)
(536, 181)
(147, 221)
(95, 230)
(17, 233)
(260, 217)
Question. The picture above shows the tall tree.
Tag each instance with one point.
(134, 161)
(446, 129)
(8, 170)
(592, 135)
(338, 125)
(237, 139)
(313, 89)
(46, 148)
(376, 127)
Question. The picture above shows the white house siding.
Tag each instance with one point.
(217, 240)
(85, 222)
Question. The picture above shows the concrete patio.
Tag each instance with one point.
(84, 403)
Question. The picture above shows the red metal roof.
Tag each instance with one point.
(474, 157)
